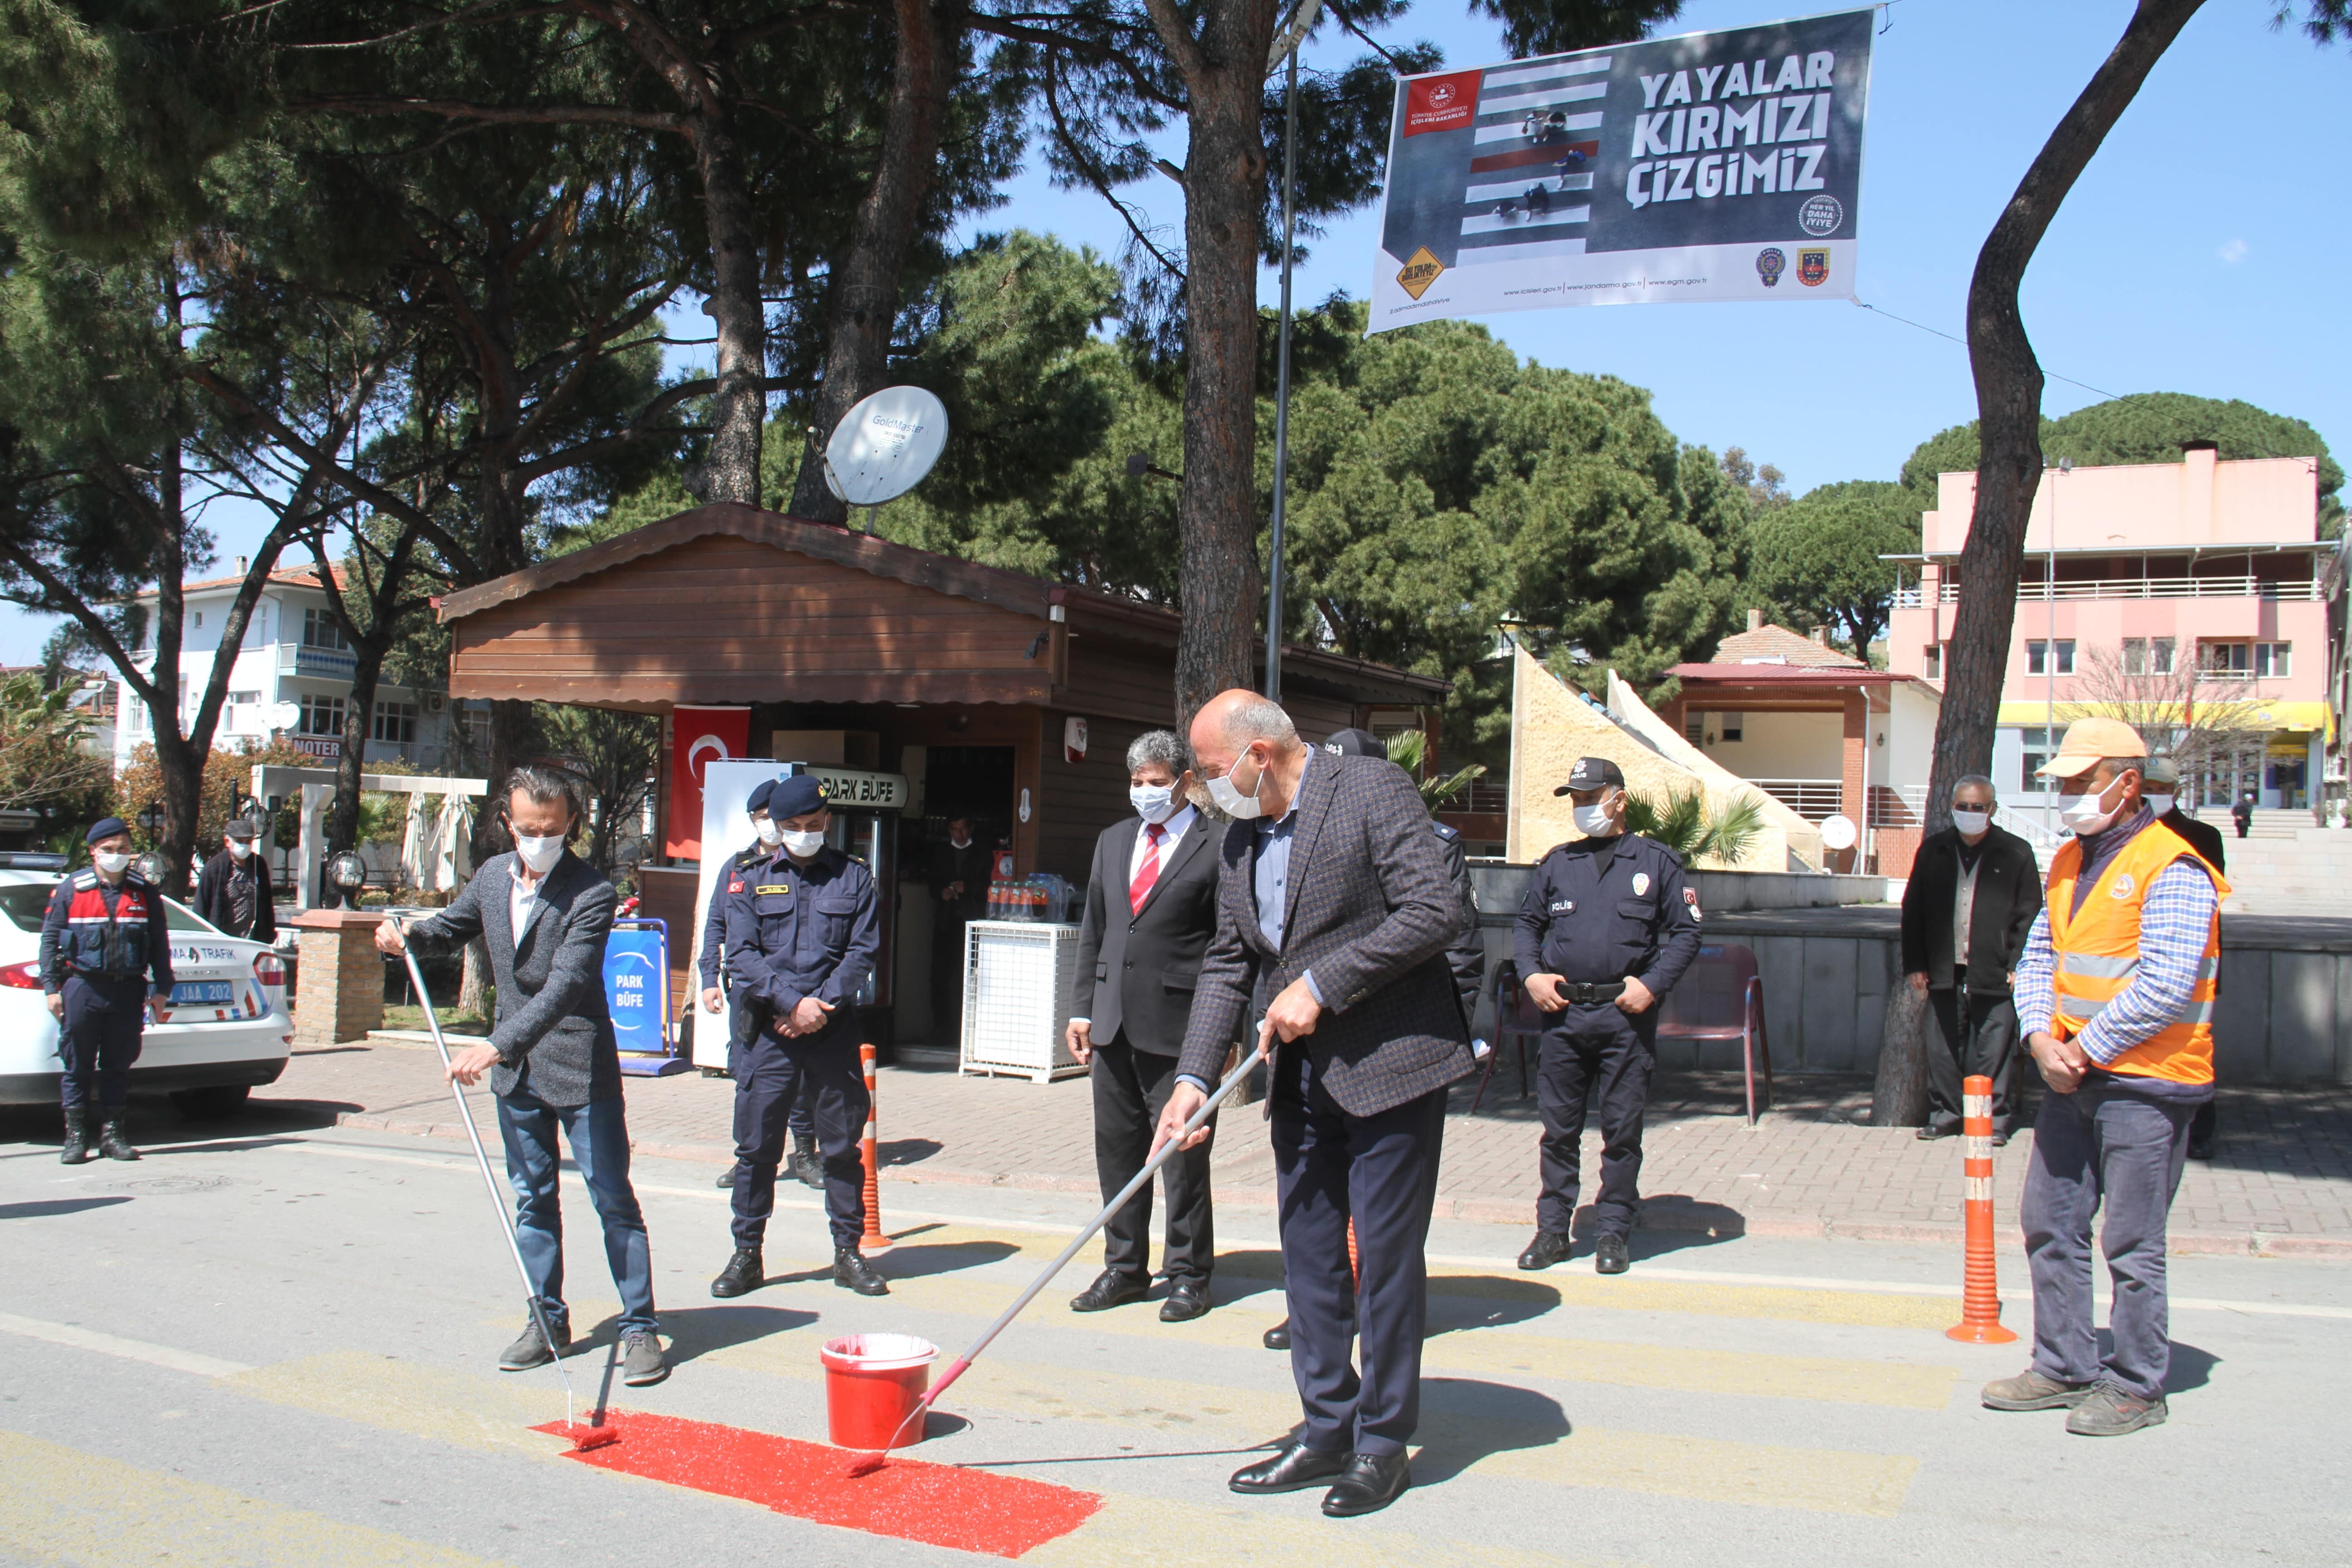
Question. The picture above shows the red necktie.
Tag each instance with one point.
(1148, 872)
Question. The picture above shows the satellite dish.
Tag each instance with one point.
(885, 446)
(285, 715)
(1837, 832)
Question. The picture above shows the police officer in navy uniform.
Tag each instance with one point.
(810, 936)
(1608, 927)
(106, 963)
(802, 1161)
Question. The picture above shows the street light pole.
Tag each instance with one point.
(1282, 387)
(2050, 647)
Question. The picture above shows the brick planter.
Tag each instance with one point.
(338, 979)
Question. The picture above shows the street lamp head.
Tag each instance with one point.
(347, 871)
(2065, 464)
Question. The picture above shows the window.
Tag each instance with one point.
(2037, 752)
(2159, 655)
(395, 722)
(1932, 658)
(2227, 661)
(2037, 656)
(1734, 725)
(2135, 655)
(321, 716)
(1695, 728)
(244, 710)
(2271, 659)
(200, 617)
(320, 630)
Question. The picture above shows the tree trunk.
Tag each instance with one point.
(343, 814)
(863, 292)
(2008, 404)
(510, 743)
(1218, 578)
(739, 405)
(1898, 1098)
(472, 986)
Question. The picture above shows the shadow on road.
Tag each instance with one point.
(698, 1331)
(47, 1208)
(1465, 1420)
(907, 1151)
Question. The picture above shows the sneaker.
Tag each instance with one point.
(641, 1358)
(2029, 1389)
(531, 1350)
(2107, 1411)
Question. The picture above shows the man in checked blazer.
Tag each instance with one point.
(1334, 911)
(1152, 906)
(553, 1060)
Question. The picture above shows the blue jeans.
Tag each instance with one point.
(2103, 1147)
(599, 1135)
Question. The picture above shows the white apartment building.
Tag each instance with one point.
(293, 673)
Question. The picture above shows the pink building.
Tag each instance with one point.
(2137, 576)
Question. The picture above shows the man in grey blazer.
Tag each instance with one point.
(1333, 911)
(552, 1058)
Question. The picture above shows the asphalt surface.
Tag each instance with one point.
(278, 1345)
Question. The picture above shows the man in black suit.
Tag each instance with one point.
(1333, 915)
(1973, 893)
(1152, 906)
(960, 871)
(233, 890)
(2161, 785)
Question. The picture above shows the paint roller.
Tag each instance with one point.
(595, 1433)
(868, 1462)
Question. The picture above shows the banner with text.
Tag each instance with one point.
(1711, 166)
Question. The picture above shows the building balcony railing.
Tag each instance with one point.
(299, 658)
(2031, 592)
(1811, 799)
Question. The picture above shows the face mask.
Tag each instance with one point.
(1153, 802)
(1970, 823)
(803, 845)
(539, 854)
(770, 834)
(2085, 815)
(239, 849)
(113, 862)
(1229, 799)
(1595, 821)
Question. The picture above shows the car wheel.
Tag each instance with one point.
(212, 1102)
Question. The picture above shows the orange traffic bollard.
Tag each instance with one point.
(872, 1241)
(1979, 1321)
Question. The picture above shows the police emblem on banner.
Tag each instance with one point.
(1769, 264)
(1813, 267)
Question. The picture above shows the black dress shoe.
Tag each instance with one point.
(1278, 1338)
(852, 1272)
(1609, 1255)
(804, 1165)
(1110, 1288)
(742, 1274)
(1933, 1131)
(1294, 1470)
(1372, 1481)
(1548, 1249)
(727, 1181)
(1188, 1301)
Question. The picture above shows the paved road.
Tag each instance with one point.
(276, 1347)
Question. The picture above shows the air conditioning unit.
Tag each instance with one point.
(434, 701)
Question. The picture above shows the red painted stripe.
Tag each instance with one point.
(907, 1500)
(1550, 153)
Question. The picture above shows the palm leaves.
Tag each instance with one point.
(1684, 824)
(1407, 751)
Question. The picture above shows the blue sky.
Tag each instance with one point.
(2199, 253)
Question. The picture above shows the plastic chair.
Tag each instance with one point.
(1516, 1018)
(1721, 997)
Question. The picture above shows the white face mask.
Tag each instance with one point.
(1153, 802)
(1595, 821)
(539, 854)
(770, 834)
(239, 849)
(1970, 823)
(803, 845)
(1229, 799)
(113, 862)
(2086, 813)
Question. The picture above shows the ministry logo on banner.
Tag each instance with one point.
(1672, 169)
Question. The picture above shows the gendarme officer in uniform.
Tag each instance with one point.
(106, 963)
(1607, 928)
(716, 938)
(801, 934)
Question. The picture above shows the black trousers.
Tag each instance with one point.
(770, 1072)
(1382, 1171)
(98, 1039)
(1593, 1057)
(947, 978)
(742, 1020)
(1131, 1090)
(1982, 1042)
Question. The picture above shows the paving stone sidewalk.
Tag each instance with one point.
(2281, 1184)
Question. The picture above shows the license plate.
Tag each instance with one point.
(189, 992)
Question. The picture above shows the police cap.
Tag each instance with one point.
(105, 827)
(757, 801)
(1356, 744)
(1592, 773)
(795, 796)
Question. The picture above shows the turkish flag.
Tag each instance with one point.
(697, 737)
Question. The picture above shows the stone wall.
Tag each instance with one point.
(339, 980)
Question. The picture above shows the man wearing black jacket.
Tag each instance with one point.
(1973, 893)
(233, 890)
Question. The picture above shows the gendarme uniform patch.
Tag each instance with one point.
(784, 889)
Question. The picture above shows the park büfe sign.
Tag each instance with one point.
(1710, 166)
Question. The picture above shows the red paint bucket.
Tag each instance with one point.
(872, 1383)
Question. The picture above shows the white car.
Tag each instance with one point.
(226, 1028)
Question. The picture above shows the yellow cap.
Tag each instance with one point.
(2090, 741)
